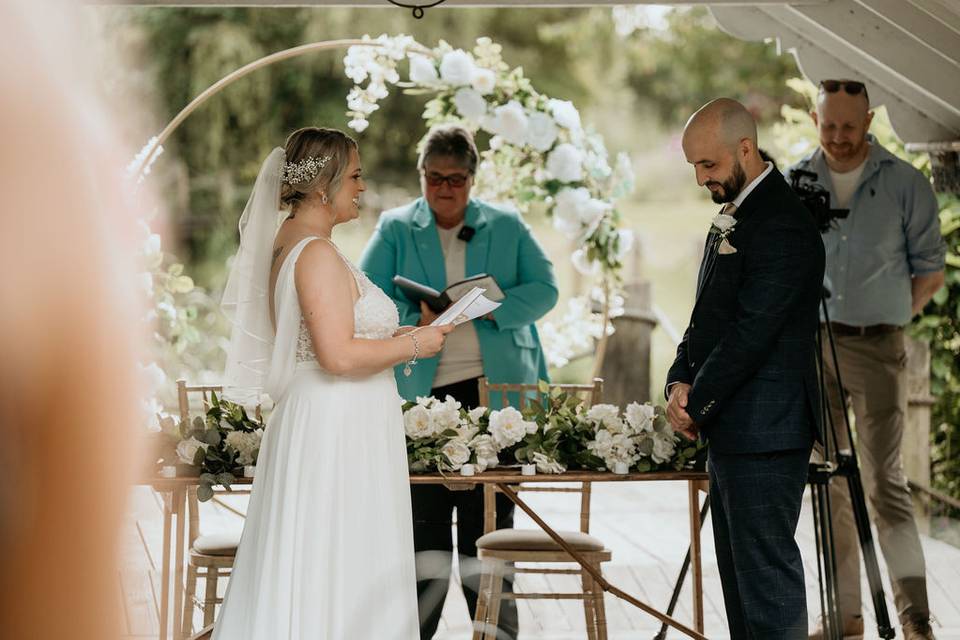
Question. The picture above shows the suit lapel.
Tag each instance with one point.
(707, 263)
(479, 245)
(427, 242)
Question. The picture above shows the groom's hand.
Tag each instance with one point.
(677, 411)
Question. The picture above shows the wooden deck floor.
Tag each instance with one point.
(645, 526)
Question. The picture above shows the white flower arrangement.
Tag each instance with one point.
(539, 148)
(553, 432)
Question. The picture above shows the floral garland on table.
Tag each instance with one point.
(540, 156)
(220, 443)
(554, 432)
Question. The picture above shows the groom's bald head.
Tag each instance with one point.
(720, 141)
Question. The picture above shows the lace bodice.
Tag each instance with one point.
(374, 315)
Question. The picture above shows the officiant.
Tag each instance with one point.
(439, 239)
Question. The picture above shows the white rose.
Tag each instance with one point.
(247, 445)
(509, 122)
(565, 114)
(604, 414)
(457, 452)
(565, 163)
(456, 68)
(624, 243)
(484, 81)
(723, 222)
(358, 124)
(602, 444)
(446, 414)
(426, 401)
(663, 448)
(546, 464)
(542, 132)
(422, 70)
(476, 413)
(566, 211)
(470, 104)
(508, 427)
(583, 264)
(467, 431)
(187, 449)
(486, 451)
(641, 416)
(418, 423)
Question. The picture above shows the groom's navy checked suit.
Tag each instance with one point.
(749, 353)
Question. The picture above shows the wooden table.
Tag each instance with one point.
(174, 496)
(502, 479)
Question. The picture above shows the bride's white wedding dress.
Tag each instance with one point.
(327, 547)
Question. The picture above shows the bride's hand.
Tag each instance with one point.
(403, 330)
(430, 339)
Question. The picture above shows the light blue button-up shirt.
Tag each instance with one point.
(891, 234)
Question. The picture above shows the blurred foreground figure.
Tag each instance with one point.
(67, 397)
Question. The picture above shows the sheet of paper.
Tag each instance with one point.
(470, 306)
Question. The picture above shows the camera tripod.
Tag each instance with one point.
(837, 463)
(843, 464)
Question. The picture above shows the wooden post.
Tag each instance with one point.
(626, 365)
(916, 432)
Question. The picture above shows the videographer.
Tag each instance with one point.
(885, 261)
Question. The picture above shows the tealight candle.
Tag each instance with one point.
(528, 469)
(467, 470)
(249, 470)
(168, 471)
(621, 468)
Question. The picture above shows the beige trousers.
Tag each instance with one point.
(873, 370)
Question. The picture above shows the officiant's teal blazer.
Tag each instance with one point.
(406, 243)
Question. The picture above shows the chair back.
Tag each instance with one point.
(522, 394)
(198, 398)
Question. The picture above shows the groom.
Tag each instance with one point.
(745, 374)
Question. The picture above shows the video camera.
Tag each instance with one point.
(815, 198)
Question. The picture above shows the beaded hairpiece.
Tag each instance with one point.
(303, 171)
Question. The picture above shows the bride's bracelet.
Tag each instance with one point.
(407, 370)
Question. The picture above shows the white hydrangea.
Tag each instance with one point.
(246, 444)
(641, 416)
(426, 401)
(613, 448)
(542, 131)
(457, 452)
(664, 446)
(565, 163)
(509, 122)
(418, 422)
(484, 81)
(606, 416)
(508, 427)
(466, 431)
(574, 211)
(423, 71)
(485, 448)
(457, 68)
(476, 414)
(470, 104)
(546, 464)
(565, 114)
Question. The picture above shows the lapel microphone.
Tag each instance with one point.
(466, 233)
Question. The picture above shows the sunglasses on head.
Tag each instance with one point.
(455, 180)
(850, 86)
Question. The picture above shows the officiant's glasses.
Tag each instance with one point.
(455, 180)
(850, 86)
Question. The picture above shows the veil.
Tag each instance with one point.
(246, 297)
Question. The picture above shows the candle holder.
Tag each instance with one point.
(621, 468)
(467, 470)
(528, 469)
(249, 471)
(168, 471)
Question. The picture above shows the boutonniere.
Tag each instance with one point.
(723, 225)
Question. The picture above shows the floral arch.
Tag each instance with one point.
(541, 159)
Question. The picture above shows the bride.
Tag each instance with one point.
(327, 547)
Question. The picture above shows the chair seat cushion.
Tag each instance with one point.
(536, 540)
(217, 544)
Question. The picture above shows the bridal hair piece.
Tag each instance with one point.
(303, 171)
(317, 159)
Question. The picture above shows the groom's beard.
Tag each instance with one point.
(731, 187)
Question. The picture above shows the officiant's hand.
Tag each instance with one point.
(401, 331)
(677, 411)
(426, 315)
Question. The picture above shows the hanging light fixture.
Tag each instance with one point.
(416, 8)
